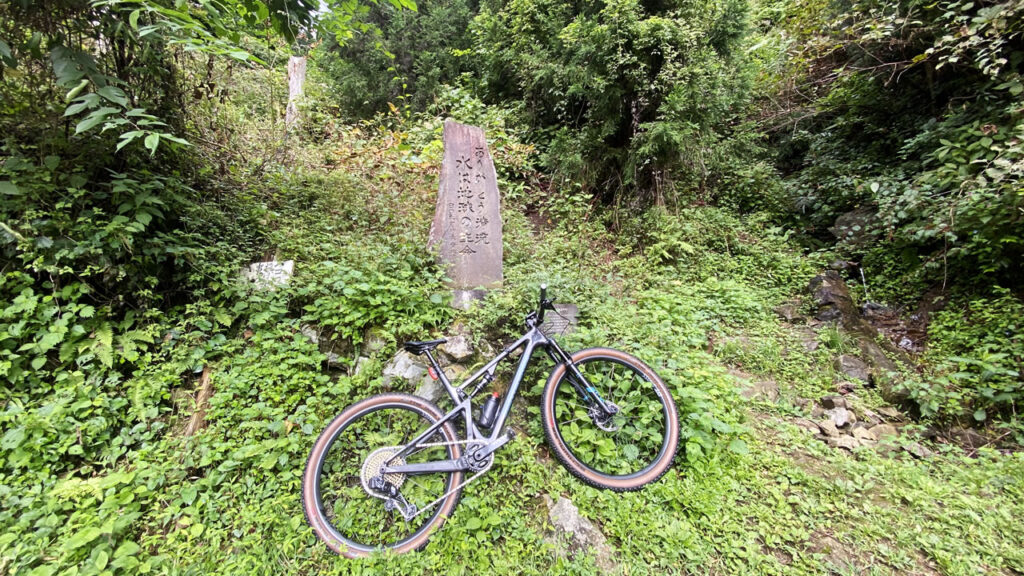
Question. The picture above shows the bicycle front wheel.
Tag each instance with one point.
(625, 451)
(346, 513)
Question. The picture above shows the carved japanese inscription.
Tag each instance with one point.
(466, 230)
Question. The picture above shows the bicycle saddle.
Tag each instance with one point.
(418, 348)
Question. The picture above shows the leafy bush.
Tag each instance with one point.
(627, 96)
(920, 126)
(401, 296)
(976, 359)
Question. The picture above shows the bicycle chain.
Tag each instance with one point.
(453, 490)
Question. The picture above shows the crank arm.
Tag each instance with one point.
(493, 446)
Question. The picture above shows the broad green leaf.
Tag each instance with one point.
(152, 141)
(74, 92)
(65, 66)
(114, 94)
(127, 139)
(6, 56)
(93, 119)
(127, 548)
(82, 537)
(738, 446)
(188, 494)
(13, 438)
(101, 560)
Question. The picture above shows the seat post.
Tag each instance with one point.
(437, 367)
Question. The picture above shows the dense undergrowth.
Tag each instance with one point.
(100, 479)
(121, 248)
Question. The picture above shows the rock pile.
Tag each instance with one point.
(836, 423)
(453, 356)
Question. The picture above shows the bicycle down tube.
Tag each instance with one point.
(464, 406)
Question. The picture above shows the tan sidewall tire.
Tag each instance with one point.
(577, 468)
(316, 519)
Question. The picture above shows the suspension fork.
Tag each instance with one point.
(587, 392)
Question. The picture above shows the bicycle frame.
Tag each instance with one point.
(530, 341)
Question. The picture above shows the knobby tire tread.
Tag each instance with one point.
(436, 524)
(552, 438)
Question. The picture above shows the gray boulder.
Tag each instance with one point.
(406, 367)
(579, 533)
(458, 347)
(852, 367)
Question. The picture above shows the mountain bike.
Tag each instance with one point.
(389, 469)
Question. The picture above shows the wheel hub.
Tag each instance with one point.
(604, 420)
(373, 465)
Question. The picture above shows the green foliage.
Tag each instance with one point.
(120, 285)
(402, 58)
(920, 125)
(629, 96)
(399, 296)
(976, 358)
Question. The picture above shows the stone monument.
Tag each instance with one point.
(466, 230)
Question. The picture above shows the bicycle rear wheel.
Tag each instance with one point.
(344, 512)
(627, 451)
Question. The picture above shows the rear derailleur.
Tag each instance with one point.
(393, 499)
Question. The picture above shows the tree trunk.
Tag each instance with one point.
(296, 77)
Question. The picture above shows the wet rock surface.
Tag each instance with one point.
(871, 364)
(852, 367)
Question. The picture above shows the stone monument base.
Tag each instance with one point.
(463, 299)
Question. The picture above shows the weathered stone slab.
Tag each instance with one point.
(466, 230)
(269, 275)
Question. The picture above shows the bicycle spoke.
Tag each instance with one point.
(632, 438)
(363, 517)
